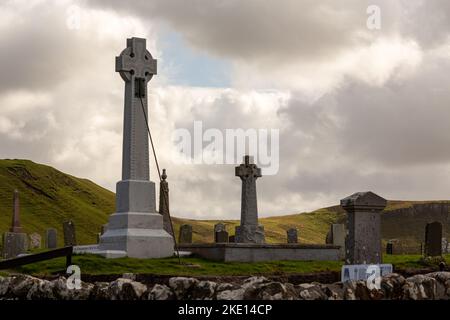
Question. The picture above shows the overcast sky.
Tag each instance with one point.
(357, 109)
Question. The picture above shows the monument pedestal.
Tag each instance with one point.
(136, 227)
(249, 234)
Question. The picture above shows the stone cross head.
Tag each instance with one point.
(248, 169)
(135, 61)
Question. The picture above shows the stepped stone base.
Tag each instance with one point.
(140, 235)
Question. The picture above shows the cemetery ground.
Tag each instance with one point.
(97, 265)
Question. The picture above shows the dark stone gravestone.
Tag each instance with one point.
(14, 244)
(292, 235)
(185, 234)
(69, 234)
(221, 237)
(389, 248)
(51, 239)
(231, 239)
(433, 239)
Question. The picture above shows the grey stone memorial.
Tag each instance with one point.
(433, 239)
(249, 230)
(15, 225)
(51, 239)
(35, 241)
(363, 242)
(221, 236)
(292, 235)
(185, 234)
(70, 238)
(164, 202)
(220, 233)
(136, 229)
(336, 236)
(14, 244)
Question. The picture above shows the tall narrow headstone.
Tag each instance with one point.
(433, 239)
(249, 231)
(337, 236)
(185, 234)
(164, 202)
(292, 235)
(69, 234)
(51, 238)
(15, 225)
(363, 242)
(136, 229)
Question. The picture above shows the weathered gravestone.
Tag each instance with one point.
(185, 234)
(433, 239)
(363, 243)
(14, 244)
(249, 231)
(220, 233)
(221, 237)
(164, 202)
(69, 234)
(51, 238)
(35, 240)
(292, 235)
(336, 236)
(136, 229)
(15, 225)
(232, 239)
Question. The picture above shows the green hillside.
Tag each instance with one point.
(49, 197)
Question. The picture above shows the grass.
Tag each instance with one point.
(95, 265)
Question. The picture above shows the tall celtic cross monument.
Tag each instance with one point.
(136, 228)
(249, 231)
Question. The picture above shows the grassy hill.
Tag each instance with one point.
(49, 197)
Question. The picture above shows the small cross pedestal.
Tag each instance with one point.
(249, 231)
(136, 228)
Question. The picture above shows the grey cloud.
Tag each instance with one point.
(271, 33)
